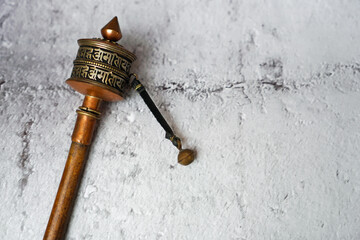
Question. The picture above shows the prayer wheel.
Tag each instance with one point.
(102, 73)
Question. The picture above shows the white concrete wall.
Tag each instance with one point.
(267, 92)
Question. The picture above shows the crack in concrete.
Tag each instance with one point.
(272, 74)
(278, 85)
(24, 161)
(198, 93)
(25, 88)
(3, 18)
(331, 69)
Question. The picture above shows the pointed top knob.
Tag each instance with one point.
(111, 31)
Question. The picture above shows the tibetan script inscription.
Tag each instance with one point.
(99, 75)
(103, 56)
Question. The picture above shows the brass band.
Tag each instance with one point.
(89, 114)
(138, 86)
(90, 110)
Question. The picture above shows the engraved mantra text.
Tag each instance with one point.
(104, 56)
(94, 73)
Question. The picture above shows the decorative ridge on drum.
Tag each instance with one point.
(104, 66)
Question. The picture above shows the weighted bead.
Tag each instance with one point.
(186, 157)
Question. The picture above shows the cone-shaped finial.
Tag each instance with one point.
(111, 31)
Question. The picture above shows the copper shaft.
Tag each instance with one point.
(71, 178)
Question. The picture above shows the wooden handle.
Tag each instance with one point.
(71, 178)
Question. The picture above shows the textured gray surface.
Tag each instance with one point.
(267, 92)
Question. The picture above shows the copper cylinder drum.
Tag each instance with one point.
(101, 69)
